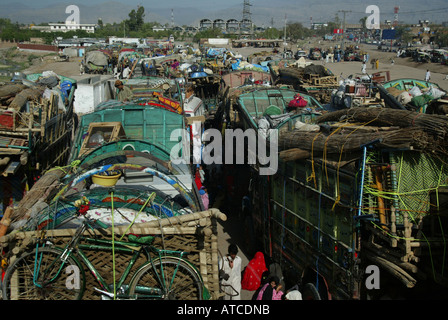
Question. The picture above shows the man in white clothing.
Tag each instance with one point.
(363, 68)
(231, 266)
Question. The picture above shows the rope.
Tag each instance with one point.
(338, 197)
(401, 195)
(113, 244)
(313, 172)
(74, 165)
(150, 198)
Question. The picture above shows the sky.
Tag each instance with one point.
(203, 4)
(263, 11)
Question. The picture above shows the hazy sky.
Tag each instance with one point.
(202, 4)
(263, 11)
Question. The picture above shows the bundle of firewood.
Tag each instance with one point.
(349, 130)
(16, 95)
(430, 123)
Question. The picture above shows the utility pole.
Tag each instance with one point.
(343, 28)
(247, 16)
(284, 36)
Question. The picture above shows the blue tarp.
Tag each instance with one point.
(250, 66)
(215, 52)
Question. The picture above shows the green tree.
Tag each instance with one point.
(296, 31)
(271, 33)
(403, 33)
(136, 21)
(362, 21)
(441, 37)
(209, 33)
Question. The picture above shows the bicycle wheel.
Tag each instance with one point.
(47, 279)
(182, 282)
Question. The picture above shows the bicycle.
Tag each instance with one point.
(54, 273)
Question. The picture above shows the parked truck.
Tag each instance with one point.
(356, 209)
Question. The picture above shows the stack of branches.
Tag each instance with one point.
(387, 128)
(436, 125)
(41, 192)
(8, 92)
(16, 95)
(320, 142)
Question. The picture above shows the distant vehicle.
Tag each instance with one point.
(300, 53)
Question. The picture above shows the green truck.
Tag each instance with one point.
(356, 210)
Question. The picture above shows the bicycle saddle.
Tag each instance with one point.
(140, 239)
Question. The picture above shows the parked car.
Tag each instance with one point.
(299, 54)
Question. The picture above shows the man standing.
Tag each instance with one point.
(231, 266)
(363, 69)
(428, 75)
(124, 93)
(126, 72)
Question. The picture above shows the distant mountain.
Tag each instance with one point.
(263, 12)
(109, 12)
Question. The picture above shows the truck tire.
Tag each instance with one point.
(310, 292)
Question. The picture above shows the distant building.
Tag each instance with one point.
(130, 41)
(318, 25)
(41, 28)
(65, 27)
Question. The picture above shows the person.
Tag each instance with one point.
(363, 68)
(377, 64)
(126, 72)
(271, 290)
(175, 64)
(204, 197)
(264, 279)
(293, 293)
(124, 93)
(82, 68)
(231, 268)
(253, 272)
(428, 75)
(194, 107)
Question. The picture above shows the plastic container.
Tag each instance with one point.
(107, 178)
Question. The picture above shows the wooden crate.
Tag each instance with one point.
(195, 233)
(7, 120)
(112, 131)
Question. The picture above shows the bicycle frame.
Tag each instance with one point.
(135, 250)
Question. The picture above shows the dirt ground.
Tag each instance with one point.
(402, 68)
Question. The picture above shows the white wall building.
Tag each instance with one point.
(65, 27)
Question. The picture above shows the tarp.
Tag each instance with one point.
(243, 65)
(97, 58)
(317, 69)
(215, 52)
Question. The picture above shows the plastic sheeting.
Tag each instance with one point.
(97, 58)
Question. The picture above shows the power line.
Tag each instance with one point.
(408, 12)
